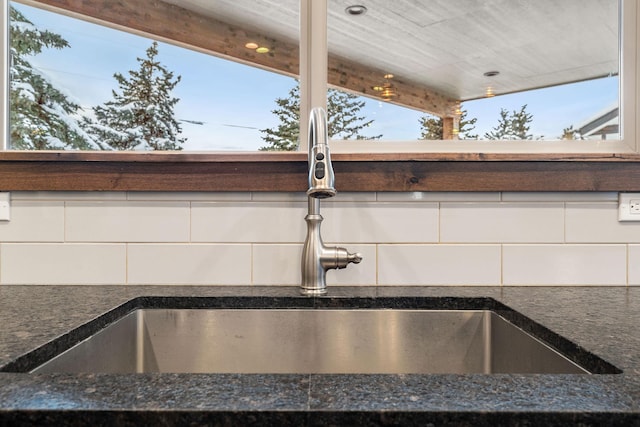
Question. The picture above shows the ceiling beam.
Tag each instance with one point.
(207, 34)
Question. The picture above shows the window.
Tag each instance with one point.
(409, 66)
(532, 71)
(64, 68)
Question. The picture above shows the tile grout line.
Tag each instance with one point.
(502, 264)
(126, 264)
(309, 394)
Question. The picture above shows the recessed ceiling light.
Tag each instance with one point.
(262, 49)
(356, 10)
(251, 45)
(491, 73)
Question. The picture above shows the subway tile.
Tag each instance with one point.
(189, 196)
(348, 196)
(188, 264)
(62, 264)
(564, 265)
(34, 221)
(276, 264)
(301, 196)
(501, 222)
(380, 222)
(133, 221)
(68, 195)
(634, 265)
(253, 222)
(598, 223)
(438, 265)
(423, 196)
(559, 196)
(403, 225)
(269, 196)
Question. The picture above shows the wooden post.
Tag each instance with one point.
(450, 127)
(313, 62)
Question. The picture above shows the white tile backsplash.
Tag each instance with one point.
(260, 222)
(188, 264)
(68, 195)
(560, 197)
(276, 264)
(598, 223)
(256, 238)
(278, 197)
(200, 196)
(132, 221)
(369, 222)
(34, 221)
(502, 222)
(564, 265)
(342, 196)
(422, 196)
(62, 264)
(439, 264)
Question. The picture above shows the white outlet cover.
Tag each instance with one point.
(625, 203)
(5, 206)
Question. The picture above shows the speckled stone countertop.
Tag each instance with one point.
(602, 320)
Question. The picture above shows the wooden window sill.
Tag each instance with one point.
(287, 172)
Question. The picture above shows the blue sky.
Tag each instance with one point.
(234, 101)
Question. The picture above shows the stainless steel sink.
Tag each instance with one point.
(311, 341)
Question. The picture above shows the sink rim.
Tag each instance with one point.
(572, 351)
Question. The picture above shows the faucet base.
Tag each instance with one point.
(310, 292)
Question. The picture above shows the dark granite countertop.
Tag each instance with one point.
(601, 320)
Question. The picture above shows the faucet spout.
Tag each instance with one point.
(316, 257)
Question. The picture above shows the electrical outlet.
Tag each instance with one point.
(629, 207)
(5, 206)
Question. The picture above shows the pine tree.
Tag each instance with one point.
(502, 129)
(431, 128)
(141, 116)
(343, 120)
(466, 126)
(514, 125)
(286, 136)
(570, 133)
(520, 123)
(41, 116)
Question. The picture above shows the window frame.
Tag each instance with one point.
(506, 166)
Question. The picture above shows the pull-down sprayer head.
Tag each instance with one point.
(321, 177)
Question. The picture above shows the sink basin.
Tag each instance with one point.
(311, 340)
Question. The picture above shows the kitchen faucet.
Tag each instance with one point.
(316, 257)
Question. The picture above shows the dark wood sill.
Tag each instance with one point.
(286, 172)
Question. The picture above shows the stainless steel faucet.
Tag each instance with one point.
(316, 257)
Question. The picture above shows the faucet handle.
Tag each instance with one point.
(354, 258)
(343, 258)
